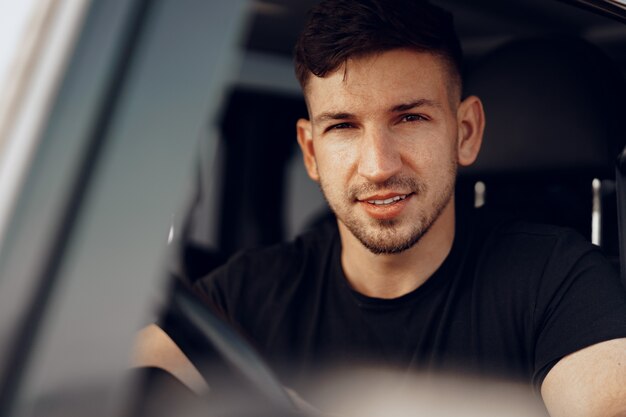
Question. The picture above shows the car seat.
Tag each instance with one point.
(555, 109)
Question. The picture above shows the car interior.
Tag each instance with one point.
(552, 83)
(551, 77)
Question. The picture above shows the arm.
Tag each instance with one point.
(590, 382)
(154, 348)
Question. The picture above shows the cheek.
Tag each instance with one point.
(335, 158)
(431, 157)
(423, 152)
(444, 144)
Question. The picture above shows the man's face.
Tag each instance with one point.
(383, 144)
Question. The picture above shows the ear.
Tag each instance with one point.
(471, 124)
(305, 140)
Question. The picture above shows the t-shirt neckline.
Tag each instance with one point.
(439, 278)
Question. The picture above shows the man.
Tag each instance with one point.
(404, 279)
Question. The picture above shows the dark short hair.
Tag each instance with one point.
(337, 30)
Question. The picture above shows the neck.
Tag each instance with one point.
(393, 275)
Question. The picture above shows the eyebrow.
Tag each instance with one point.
(327, 116)
(423, 102)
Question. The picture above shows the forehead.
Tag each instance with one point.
(380, 80)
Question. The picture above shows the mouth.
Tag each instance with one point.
(384, 199)
(387, 201)
(386, 206)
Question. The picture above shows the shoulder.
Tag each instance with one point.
(268, 270)
(508, 238)
(538, 262)
(284, 257)
(552, 285)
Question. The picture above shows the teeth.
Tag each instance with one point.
(388, 200)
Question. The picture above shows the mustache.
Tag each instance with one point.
(405, 184)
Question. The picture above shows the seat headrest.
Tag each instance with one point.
(551, 105)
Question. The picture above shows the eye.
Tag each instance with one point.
(339, 126)
(413, 118)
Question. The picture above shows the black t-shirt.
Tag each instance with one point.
(511, 299)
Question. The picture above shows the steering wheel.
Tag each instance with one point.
(240, 382)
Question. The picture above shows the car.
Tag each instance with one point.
(135, 144)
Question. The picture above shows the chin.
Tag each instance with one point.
(392, 244)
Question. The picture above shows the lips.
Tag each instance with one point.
(381, 202)
(385, 207)
(384, 198)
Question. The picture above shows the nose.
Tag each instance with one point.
(379, 158)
